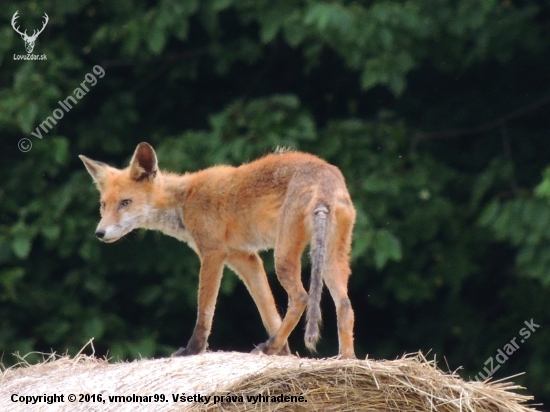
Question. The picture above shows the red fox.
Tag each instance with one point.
(283, 201)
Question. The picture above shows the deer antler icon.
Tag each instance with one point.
(29, 40)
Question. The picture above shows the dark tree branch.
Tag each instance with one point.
(482, 127)
(508, 155)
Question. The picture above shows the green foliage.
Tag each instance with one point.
(543, 189)
(434, 111)
(525, 223)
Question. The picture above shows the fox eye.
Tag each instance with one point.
(124, 203)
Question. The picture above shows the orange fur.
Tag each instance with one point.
(227, 214)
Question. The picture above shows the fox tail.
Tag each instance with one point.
(318, 250)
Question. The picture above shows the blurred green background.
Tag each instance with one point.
(436, 111)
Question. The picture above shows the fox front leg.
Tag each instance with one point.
(209, 285)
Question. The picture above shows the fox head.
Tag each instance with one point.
(124, 194)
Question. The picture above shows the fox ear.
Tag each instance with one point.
(143, 165)
(95, 168)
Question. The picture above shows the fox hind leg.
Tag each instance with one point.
(336, 276)
(292, 239)
(249, 268)
(336, 283)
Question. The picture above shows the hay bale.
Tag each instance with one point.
(253, 382)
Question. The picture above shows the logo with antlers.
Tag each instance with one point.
(29, 40)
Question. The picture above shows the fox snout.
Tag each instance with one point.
(111, 233)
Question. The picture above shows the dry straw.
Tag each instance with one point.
(411, 383)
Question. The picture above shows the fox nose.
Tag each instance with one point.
(100, 233)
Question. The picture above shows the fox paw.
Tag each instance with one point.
(181, 352)
(186, 352)
(285, 351)
(261, 348)
(266, 348)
